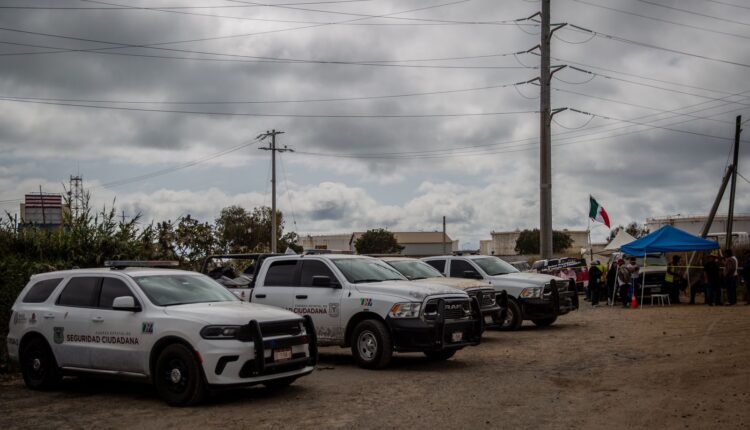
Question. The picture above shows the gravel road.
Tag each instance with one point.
(671, 367)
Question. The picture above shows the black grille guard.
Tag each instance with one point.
(252, 331)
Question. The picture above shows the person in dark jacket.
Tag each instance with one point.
(595, 278)
(673, 280)
(713, 280)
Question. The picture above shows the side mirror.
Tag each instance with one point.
(324, 281)
(125, 303)
(470, 274)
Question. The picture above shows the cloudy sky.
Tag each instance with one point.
(400, 112)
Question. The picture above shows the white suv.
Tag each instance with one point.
(180, 330)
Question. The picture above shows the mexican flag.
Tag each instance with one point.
(597, 212)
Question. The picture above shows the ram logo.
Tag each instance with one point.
(454, 307)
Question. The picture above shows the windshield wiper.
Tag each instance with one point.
(359, 281)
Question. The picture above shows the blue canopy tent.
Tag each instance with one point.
(666, 239)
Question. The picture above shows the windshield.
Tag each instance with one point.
(357, 270)
(415, 269)
(494, 266)
(170, 290)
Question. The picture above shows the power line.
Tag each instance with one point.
(77, 8)
(271, 115)
(312, 100)
(653, 18)
(694, 13)
(728, 4)
(573, 27)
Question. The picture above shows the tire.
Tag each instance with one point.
(278, 384)
(440, 355)
(38, 366)
(372, 345)
(513, 318)
(178, 377)
(545, 322)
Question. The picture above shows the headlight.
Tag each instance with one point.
(532, 293)
(220, 332)
(405, 310)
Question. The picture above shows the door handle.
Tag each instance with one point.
(97, 319)
(302, 296)
(260, 296)
(49, 316)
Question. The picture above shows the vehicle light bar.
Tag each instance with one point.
(120, 264)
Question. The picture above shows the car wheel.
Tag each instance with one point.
(440, 355)
(513, 318)
(372, 346)
(38, 366)
(544, 322)
(277, 384)
(177, 376)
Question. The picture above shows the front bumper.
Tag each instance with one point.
(420, 335)
(250, 360)
(558, 302)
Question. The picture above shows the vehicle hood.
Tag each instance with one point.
(523, 279)
(407, 289)
(229, 312)
(459, 283)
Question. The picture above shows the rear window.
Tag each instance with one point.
(81, 292)
(41, 291)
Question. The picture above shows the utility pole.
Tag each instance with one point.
(545, 156)
(445, 240)
(735, 167)
(272, 147)
(717, 201)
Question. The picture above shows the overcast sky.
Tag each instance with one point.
(428, 126)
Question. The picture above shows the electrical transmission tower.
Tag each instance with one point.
(75, 194)
(272, 147)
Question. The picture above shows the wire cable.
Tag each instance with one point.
(653, 18)
(694, 13)
(573, 128)
(272, 115)
(729, 4)
(573, 27)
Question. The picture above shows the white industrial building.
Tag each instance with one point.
(415, 243)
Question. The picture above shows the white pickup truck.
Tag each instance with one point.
(363, 303)
(530, 295)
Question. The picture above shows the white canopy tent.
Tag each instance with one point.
(621, 238)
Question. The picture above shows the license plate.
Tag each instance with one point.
(456, 336)
(282, 354)
(488, 319)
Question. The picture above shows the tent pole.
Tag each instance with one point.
(643, 281)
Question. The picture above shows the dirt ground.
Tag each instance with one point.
(671, 367)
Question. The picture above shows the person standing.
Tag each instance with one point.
(635, 272)
(730, 277)
(711, 270)
(623, 281)
(673, 280)
(595, 277)
(611, 283)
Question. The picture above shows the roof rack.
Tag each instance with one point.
(122, 264)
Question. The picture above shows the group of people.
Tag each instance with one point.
(721, 276)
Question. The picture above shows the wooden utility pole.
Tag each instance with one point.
(735, 167)
(445, 240)
(545, 156)
(272, 147)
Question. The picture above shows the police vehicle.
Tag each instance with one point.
(492, 304)
(179, 330)
(363, 303)
(531, 296)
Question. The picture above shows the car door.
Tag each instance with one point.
(278, 285)
(322, 302)
(438, 264)
(463, 269)
(72, 337)
(122, 334)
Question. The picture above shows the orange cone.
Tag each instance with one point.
(633, 302)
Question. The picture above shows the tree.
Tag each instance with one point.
(377, 241)
(238, 230)
(528, 241)
(634, 229)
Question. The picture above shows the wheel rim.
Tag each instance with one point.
(367, 344)
(176, 376)
(508, 317)
(36, 364)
